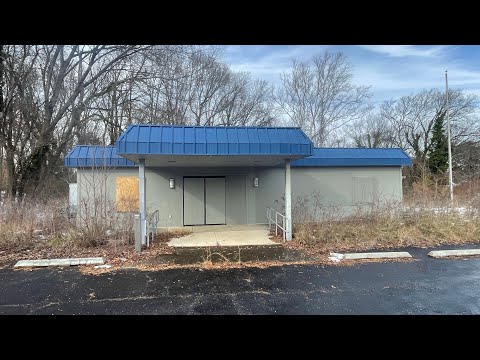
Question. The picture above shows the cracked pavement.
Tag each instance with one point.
(423, 286)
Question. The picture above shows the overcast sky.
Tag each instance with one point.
(391, 70)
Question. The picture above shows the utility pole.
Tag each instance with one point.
(449, 143)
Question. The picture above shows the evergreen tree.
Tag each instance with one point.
(438, 154)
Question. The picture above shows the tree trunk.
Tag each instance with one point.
(10, 181)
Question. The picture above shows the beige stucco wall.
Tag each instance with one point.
(101, 184)
(332, 185)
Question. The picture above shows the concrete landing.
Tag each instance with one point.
(224, 235)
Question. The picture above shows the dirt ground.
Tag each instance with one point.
(124, 256)
(115, 255)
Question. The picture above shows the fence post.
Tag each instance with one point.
(269, 218)
(137, 230)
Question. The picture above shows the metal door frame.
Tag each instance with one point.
(204, 199)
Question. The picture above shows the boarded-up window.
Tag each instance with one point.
(127, 193)
(364, 190)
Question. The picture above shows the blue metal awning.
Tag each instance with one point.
(165, 145)
(213, 140)
(97, 156)
(324, 157)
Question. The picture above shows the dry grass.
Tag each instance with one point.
(42, 230)
(426, 219)
(34, 230)
(122, 255)
(22, 224)
(29, 224)
(466, 194)
(383, 230)
(206, 265)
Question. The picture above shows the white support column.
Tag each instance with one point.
(142, 202)
(288, 200)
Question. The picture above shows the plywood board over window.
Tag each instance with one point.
(364, 190)
(127, 199)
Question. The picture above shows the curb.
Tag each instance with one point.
(59, 262)
(447, 253)
(372, 255)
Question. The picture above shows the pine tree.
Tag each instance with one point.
(438, 154)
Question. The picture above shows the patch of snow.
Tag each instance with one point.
(335, 257)
(106, 266)
(109, 232)
(444, 210)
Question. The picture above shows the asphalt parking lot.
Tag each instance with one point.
(422, 286)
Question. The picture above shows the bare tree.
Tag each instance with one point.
(108, 113)
(411, 120)
(2, 160)
(190, 85)
(247, 102)
(320, 97)
(19, 107)
(466, 161)
(207, 98)
(165, 93)
(412, 117)
(372, 131)
(51, 86)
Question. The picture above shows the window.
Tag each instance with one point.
(364, 190)
(127, 194)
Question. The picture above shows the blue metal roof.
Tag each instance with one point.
(323, 157)
(219, 140)
(89, 155)
(213, 140)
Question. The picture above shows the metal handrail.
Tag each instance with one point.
(285, 222)
(152, 222)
